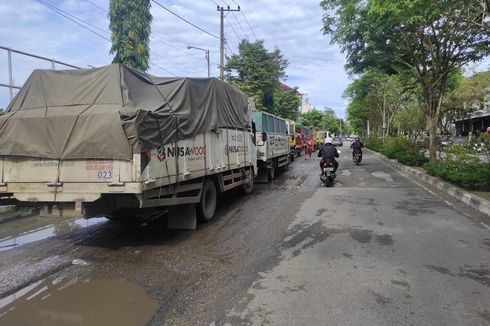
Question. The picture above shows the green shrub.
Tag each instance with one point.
(374, 143)
(399, 144)
(474, 176)
(411, 159)
(399, 148)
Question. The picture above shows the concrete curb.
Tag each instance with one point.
(480, 204)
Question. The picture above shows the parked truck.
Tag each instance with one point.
(300, 144)
(115, 141)
(272, 143)
(292, 139)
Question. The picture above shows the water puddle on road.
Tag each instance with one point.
(59, 228)
(97, 302)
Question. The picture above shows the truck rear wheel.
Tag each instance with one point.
(248, 187)
(272, 171)
(207, 206)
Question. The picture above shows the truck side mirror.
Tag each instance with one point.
(264, 136)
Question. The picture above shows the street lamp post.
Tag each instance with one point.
(205, 51)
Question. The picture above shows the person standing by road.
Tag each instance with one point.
(309, 147)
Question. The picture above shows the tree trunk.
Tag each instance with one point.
(432, 127)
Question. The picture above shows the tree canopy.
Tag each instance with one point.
(130, 23)
(427, 40)
(287, 103)
(257, 72)
(323, 120)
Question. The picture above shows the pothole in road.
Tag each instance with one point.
(381, 175)
(60, 228)
(96, 302)
(292, 181)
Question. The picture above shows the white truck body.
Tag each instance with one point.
(228, 155)
(272, 144)
(276, 145)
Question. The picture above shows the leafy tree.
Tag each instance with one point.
(330, 121)
(130, 23)
(426, 39)
(468, 96)
(324, 120)
(287, 103)
(256, 72)
(411, 120)
(312, 118)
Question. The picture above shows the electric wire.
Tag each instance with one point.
(162, 68)
(59, 12)
(68, 16)
(233, 29)
(245, 17)
(173, 46)
(246, 20)
(97, 6)
(240, 25)
(226, 43)
(151, 36)
(180, 17)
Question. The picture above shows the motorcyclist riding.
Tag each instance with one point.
(357, 146)
(328, 152)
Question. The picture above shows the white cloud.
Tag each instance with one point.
(295, 28)
(316, 67)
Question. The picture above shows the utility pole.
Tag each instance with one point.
(222, 39)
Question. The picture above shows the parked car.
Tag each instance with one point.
(337, 141)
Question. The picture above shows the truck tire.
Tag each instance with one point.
(247, 188)
(272, 171)
(207, 205)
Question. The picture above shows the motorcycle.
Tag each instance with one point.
(356, 158)
(328, 175)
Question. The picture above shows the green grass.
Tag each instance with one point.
(16, 212)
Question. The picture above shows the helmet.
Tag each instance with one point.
(358, 138)
(328, 140)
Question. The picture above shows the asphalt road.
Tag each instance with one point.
(374, 249)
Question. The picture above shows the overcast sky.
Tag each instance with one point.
(315, 66)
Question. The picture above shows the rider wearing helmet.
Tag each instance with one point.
(357, 146)
(328, 152)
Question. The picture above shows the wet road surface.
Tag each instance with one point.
(375, 249)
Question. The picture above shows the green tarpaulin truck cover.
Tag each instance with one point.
(112, 112)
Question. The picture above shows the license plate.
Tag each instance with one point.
(330, 169)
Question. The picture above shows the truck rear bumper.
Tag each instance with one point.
(64, 192)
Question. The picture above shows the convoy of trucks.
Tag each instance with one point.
(115, 141)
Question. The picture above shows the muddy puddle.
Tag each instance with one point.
(96, 302)
(43, 232)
